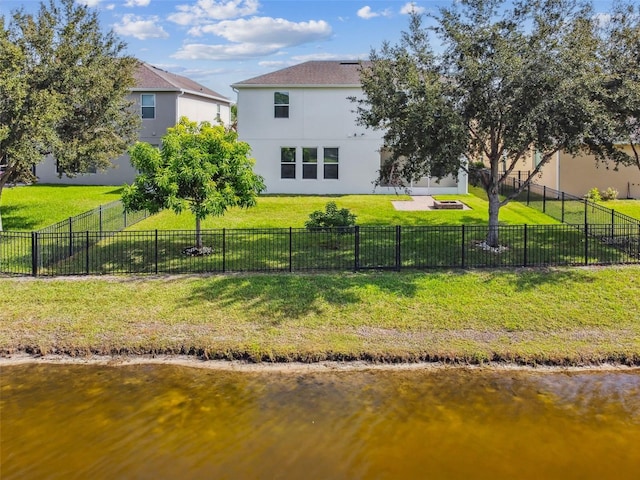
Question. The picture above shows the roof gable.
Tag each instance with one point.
(313, 73)
(149, 77)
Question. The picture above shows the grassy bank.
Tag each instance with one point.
(33, 207)
(563, 316)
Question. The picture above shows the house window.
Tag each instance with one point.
(218, 112)
(148, 105)
(331, 163)
(288, 162)
(281, 104)
(74, 169)
(537, 158)
(309, 162)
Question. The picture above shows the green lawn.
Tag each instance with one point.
(560, 316)
(294, 210)
(626, 207)
(34, 207)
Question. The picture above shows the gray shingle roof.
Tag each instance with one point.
(346, 72)
(149, 77)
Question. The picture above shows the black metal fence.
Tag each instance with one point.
(291, 249)
(105, 220)
(565, 207)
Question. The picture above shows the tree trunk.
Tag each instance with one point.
(494, 210)
(198, 234)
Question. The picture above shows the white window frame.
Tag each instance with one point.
(142, 106)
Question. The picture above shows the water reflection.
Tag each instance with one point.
(156, 421)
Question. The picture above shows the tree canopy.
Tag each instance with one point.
(509, 79)
(63, 88)
(200, 167)
(620, 56)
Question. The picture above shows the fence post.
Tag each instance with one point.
(124, 214)
(156, 252)
(586, 243)
(70, 236)
(398, 252)
(544, 199)
(562, 219)
(463, 249)
(528, 193)
(100, 212)
(290, 249)
(586, 212)
(224, 250)
(356, 254)
(86, 253)
(34, 254)
(613, 220)
(525, 246)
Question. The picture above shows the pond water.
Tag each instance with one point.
(164, 421)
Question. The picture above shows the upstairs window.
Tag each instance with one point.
(218, 112)
(281, 104)
(148, 105)
(309, 162)
(288, 162)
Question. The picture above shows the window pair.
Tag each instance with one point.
(309, 163)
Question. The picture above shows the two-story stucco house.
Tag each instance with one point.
(303, 133)
(161, 98)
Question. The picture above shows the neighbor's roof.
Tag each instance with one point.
(314, 73)
(149, 77)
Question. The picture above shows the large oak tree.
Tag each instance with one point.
(63, 88)
(489, 83)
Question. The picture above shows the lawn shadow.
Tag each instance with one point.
(531, 279)
(295, 296)
(12, 220)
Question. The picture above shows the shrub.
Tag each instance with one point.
(593, 195)
(330, 219)
(609, 194)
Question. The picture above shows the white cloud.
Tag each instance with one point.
(136, 3)
(366, 13)
(89, 3)
(110, 6)
(198, 51)
(207, 10)
(411, 7)
(277, 31)
(140, 27)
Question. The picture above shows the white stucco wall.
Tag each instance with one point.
(318, 117)
(122, 172)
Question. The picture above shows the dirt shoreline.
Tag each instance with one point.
(290, 367)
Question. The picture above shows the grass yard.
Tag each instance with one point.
(557, 316)
(293, 211)
(34, 207)
(626, 207)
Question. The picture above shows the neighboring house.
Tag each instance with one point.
(302, 129)
(577, 175)
(161, 98)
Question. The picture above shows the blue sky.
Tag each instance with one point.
(219, 42)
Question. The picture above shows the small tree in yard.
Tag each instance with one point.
(331, 219)
(201, 167)
(513, 78)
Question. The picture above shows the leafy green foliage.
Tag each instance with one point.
(593, 195)
(331, 219)
(609, 194)
(511, 79)
(63, 88)
(200, 167)
(619, 53)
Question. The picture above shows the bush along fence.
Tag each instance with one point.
(298, 250)
(105, 220)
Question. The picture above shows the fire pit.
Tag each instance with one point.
(448, 205)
